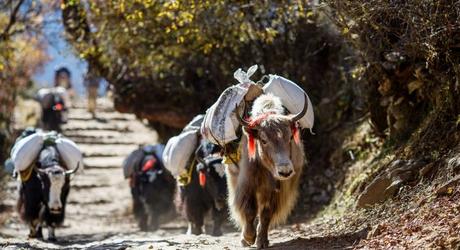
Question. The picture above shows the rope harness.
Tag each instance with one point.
(186, 177)
(24, 175)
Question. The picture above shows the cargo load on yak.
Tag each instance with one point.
(221, 124)
(179, 148)
(9, 163)
(137, 156)
(26, 150)
(45, 96)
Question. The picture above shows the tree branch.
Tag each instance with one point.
(6, 32)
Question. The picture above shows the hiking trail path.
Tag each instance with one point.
(98, 212)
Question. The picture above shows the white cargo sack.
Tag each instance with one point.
(133, 160)
(220, 122)
(46, 102)
(178, 150)
(26, 150)
(292, 97)
(70, 153)
(195, 124)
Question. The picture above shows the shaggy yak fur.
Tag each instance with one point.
(152, 189)
(265, 183)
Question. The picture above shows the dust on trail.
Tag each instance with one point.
(98, 212)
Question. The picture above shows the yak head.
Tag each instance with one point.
(271, 134)
(150, 170)
(53, 179)
(211, 175)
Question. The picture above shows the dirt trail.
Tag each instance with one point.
(98, 213)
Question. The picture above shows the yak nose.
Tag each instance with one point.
(55, 207)
(285, 171)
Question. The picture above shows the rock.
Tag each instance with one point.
(375, 231)
(375, 192)
(388, 182)
(447, 188)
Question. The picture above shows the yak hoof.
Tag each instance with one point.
(262, 243)
(52, 238)
(36, 235)
(217, 232)
(244, 243)
(197, 231)
(153, 228)
(248, 241)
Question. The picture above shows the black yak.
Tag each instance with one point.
(43, 193)
(152, 189)
(54, 112)
(207, 191)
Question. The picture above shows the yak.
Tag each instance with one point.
(207, 191)
(54, 112)
(152, 189)
(264, 182)
(43, 194)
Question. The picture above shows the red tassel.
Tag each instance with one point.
(58, 107)
(149, 165)
(202, 179)
(251, 146)
(296, 134)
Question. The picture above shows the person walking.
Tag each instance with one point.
(92, 87)
(63, 78)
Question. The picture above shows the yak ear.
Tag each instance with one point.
(252, 136)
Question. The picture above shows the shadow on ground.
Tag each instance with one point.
(345, 241)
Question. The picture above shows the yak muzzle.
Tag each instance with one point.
(285, 171)
(55, 209)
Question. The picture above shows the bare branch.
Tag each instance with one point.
(6, 32)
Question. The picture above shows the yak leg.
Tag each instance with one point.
(51, 235)
(262, 228)
(153, 221)
(35, 230)
(197, 225)
(195, 217)
(139, 213)
(248, 235)
(218, 217)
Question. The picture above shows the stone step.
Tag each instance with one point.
(137, 137)
(91, 150)
(98, 125)
(83, 108)
(104, 162)
(103, 141)
(99, 128)
(101, 116)
(97, 177)
(94, 134)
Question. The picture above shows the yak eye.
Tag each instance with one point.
(263, 141)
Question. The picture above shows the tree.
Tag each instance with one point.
(161, 56)
(22, 53)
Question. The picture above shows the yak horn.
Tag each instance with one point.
(299, 115)
(198, 156)
(73, 171)
(43, 171)
(241, 120)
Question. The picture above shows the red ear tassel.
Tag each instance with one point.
(202, 179)
(296, 134)
(251, 146)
